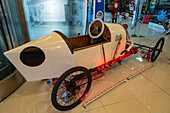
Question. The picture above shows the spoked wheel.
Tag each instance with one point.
(71, 88)
(157, 49)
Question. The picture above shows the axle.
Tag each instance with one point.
(141, 46)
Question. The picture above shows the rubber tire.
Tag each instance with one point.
(60, 80)
(153, 56)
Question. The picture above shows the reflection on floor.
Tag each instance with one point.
(149, 92)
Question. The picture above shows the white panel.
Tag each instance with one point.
(110, 47)
(89, 57)
(58, 58)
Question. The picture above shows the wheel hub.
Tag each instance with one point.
(71, 87)
(77, 91)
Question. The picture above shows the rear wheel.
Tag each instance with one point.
(157, 49)
(71, 88)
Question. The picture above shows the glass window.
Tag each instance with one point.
(9, 24)
(15, 19)
(5, 67)
(46, 16)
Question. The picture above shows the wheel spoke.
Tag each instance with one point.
(71, 88)
(157, 49)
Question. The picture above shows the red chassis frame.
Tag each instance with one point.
(98, 71)
(107, 65)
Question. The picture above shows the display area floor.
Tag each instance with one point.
(146, 30)
(148, 92)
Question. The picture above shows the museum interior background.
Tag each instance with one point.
(22, 21)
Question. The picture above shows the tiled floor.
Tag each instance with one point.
(148, 92)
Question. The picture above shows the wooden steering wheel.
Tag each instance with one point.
(96, 28)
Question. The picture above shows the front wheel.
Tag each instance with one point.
(157, 49)
(71, 88)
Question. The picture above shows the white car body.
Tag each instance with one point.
(59, 58)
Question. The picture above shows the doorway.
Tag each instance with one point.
(5, 44)
(10, 79)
